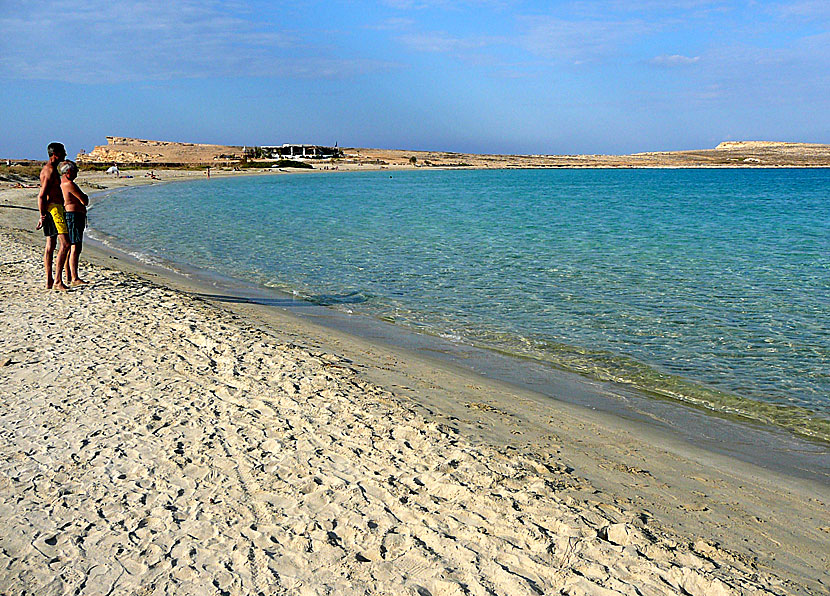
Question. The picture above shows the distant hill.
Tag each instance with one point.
(128, 151)
(774, 145)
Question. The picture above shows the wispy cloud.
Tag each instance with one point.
(580, 40)
(392, 24)
(669, 61)
(443, 42)
(804, 9)
(443, 4)
(742, 74)
(116, 41)
(648, 9)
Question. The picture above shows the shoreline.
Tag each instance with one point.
(763, 443)
(686, 491)
(125, 150)
(774, 444)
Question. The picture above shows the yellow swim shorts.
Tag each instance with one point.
(58, 218)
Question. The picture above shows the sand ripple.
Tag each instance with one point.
(153, 444)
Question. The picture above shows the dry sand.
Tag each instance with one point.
(154, 442)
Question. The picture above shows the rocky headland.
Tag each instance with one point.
(126, 151)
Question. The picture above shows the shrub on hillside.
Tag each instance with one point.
(292, 163)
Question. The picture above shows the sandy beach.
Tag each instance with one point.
(157, 442)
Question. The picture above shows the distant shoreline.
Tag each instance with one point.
(796, 156)
(739, 154)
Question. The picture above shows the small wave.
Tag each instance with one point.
(336, 299)
(147, 259)
(610, 367)
(453, 337)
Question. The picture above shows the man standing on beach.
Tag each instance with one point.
(52, 219)
(74, 203)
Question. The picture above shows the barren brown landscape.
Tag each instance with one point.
(129, 151)
(141, 153)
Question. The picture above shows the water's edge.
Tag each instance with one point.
(724, 431)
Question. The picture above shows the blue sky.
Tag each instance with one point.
(500, 76)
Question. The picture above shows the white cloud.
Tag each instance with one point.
(608, 9)
(580, 40)
(106, 41)
(393, 24)
(669, 61)
(765, 77)
(804, 9)
(539, 36)
(443, 4)
(443, 42)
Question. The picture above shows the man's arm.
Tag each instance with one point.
(79, 194)
(41, 197)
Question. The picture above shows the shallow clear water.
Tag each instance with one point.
(709, 286)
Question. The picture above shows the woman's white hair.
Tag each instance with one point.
(66, 166)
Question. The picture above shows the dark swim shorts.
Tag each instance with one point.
(49, 228)
(76, 222)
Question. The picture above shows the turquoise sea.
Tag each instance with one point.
(709, 286)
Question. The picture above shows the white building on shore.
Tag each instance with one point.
(293, 151)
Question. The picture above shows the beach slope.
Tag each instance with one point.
(154, 443)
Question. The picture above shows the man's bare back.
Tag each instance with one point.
(50, 188)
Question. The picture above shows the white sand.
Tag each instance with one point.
(152, 443)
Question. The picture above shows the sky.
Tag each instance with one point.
(483, 76)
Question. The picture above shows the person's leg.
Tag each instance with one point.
(47, 260)
(70, 227)
(72, 264)
(78, 280)
(71, 268)
(76, 222)
(63, 254)
(68, 267)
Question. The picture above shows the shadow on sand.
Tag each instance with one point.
(19, 207)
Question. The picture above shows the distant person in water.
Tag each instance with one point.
(74, 203)
(52, 220)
